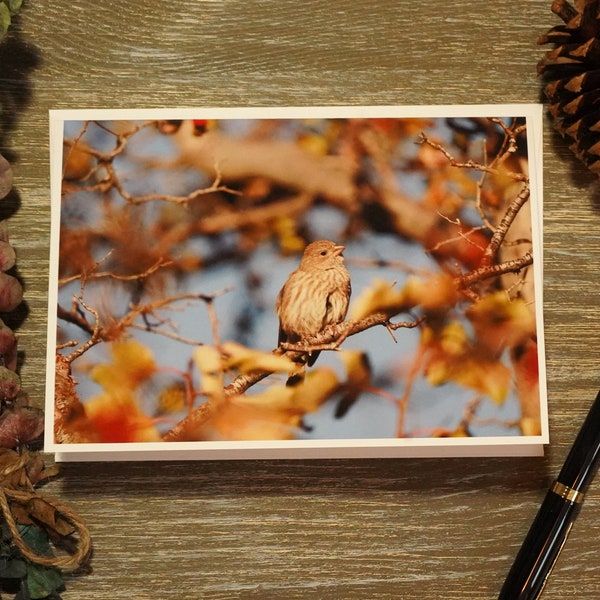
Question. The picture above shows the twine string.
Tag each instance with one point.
(15, 468)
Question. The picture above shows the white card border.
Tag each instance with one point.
(286, 449)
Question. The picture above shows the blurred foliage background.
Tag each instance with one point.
(176, 236)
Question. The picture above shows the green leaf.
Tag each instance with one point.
(12, 568)
(43, 581)
(14, 5)
(12, 565)
(4, 19)
(36, 539)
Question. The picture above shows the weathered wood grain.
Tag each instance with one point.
(426, 529)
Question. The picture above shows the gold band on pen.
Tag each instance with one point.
(566, 492)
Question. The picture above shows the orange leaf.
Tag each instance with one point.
(117, 417)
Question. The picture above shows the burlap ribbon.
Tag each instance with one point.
(22, 505)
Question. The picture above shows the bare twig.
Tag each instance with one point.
(117, 185)
(465, 235)
(510, 144)
(128, 320)
(104, 160)
(469, 164)
(486, 272)
(502, 229)
(96, 331)
(95, 274)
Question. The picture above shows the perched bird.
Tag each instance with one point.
(314, 296)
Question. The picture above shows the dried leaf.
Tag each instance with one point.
(8, 347)
(20, 425)
(6, 173)
(37, 470)
(11, 292)
(12, 568)
(7, 256)
(45, 513)
(10, 384)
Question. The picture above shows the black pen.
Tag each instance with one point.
(549, 530)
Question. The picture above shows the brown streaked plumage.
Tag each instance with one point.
(314, 296)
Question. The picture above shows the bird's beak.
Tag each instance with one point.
(337, 250)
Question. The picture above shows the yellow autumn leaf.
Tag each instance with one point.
(276, 413)
(209, 364)
(173, 398)
(436, 367)
(452, 357)
(381, 296)
(275, 397)
(358, 369)
(289, 240)
(246, 359)
(132, 363)
(501, 322)
(438, 371)
(316, 144)
(527, 383)
(236, 421)
(434, 292)
(358, 378)
(489, 377)
(453, 339)
(460, 431)
(318, 386)
(530, 426)
(136, 354)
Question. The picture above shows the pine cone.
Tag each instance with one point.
(571, 76)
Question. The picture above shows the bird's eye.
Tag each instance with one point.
(323, 252)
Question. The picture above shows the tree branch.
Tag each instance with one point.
(509, 266)
(502, 229)
(329, 339)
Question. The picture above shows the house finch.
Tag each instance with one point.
(314, 296)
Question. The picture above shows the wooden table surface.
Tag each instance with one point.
(426, 529)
